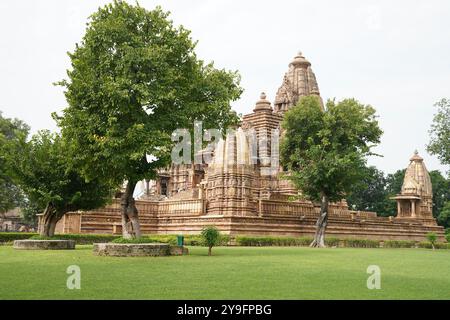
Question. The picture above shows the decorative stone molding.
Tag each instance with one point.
(44, 244)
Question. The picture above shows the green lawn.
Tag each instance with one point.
(232, 273)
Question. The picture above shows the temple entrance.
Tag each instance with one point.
(164, 187)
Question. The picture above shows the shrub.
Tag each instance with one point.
(438, 245)
(361, 243)
(399, 244)
(211, 237)
(139, 240)
(271, 241)
(432, 238)
(332, 242)
(11, 236)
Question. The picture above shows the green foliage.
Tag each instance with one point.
(41, 168)
(11, 236)
(432, 238)
(210, 236)
(271, 241)
(438, 245)
(394, 182)
(332, 242)
(135, 78)
(444, 216)
(86, 238)
(440, 132)
(135, 240)
(370, 193)
(11, 195)
(325, 151)
(399, 244)
(441, 195)
(361, 243)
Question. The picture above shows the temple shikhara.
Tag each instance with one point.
(242, 192)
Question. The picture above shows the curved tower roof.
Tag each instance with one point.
(417, 180)
(298, 82)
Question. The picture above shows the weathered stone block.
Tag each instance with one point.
(44, 244)
(178, 250)
(132, 249)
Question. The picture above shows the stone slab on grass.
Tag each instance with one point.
(44, 244)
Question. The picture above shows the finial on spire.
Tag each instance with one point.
(300, 53)
(263, 96)
(416, 156)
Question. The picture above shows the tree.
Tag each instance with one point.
(370, 193)
(135, 78)
(211, 237)
(441, 191)
(440, 132)
(444, 216)
(10, 194)
(40, 167)
(324, 151)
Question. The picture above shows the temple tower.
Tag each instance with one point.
(298, 82)
(415, 200)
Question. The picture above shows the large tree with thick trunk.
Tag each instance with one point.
(325, 151)
(42, 169)
(135, 78)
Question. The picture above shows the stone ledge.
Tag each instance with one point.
(137, 249)
(44, 244)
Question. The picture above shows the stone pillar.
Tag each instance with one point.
(399, 209)
(413, 208)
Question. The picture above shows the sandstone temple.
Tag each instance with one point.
(242, 191)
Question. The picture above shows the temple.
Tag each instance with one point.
(242, 190)
(415, 202)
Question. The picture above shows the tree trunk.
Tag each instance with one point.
(49, 221)
(321, 225)
(209, 251)
(130, 220)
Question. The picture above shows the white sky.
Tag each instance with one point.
(394, 55)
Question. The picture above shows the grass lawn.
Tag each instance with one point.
(232, 273)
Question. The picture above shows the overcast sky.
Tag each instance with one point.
(394, 55)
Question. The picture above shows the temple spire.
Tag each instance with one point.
(299, 81)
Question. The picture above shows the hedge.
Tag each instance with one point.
(196, 240)
(11, 236)
(189, 239)
(83, 238)
(438, 245)
(271, 241)
(399, 244)
(361, 243)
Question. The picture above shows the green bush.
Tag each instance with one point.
(332, 242)
(361, 243)
(211, 237)
(437, 245)
(87, 238)
(399, 244)
(271, 241)
(139, 240)
(11, 236)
